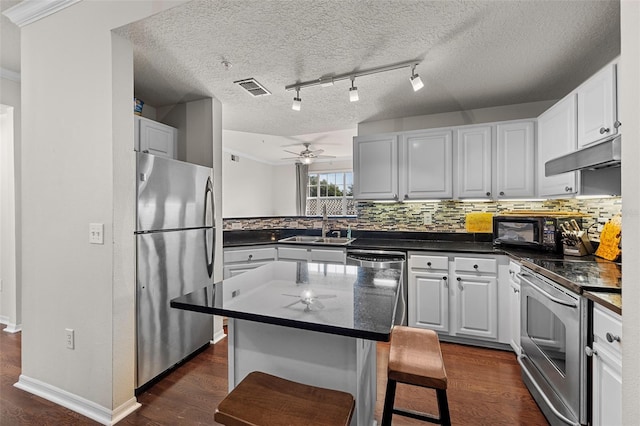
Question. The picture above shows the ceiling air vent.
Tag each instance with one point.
(253, 87)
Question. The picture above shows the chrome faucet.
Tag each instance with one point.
(325, 225)
(336, 234)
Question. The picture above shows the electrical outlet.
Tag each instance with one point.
(427, 218)
(70, 338)
(96, 233)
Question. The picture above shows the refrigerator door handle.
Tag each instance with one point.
(209, 220)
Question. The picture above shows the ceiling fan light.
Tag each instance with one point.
(416, 82)
(353, 94)
(306, 160)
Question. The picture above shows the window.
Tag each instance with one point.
(331, 189)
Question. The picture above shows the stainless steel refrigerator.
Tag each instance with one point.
(175, 251)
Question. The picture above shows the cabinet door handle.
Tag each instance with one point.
(429, 264)
(612, 338)
(475, 267)
(501, 192)
(590, 352)
(568, 188)
(250, 257)
(515, 290)
(395, 196)
(617, 124)
(488, 194)
(604, 130)
(445, 281)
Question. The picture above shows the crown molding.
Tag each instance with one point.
(29, 11)
(9, 75)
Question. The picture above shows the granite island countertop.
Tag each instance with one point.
(337, 299)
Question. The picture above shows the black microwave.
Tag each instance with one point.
(542, 233)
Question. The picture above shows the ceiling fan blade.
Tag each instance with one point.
(290, 158)
(291, 152)
(326, 296)
(325, 156)
(317, 303)
(291, 304)
(317, 151)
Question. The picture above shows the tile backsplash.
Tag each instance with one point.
(445, 216)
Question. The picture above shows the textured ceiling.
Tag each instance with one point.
(475, 54)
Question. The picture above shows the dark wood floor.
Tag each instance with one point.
(484, 389)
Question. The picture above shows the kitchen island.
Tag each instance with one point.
(312, 323)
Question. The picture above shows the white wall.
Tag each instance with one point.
(628, 72)
(457, 118)
(284, 190)
(10, 219)
(76, 169)
(247, 187)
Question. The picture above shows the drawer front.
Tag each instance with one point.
(333, 256)
(607, 324)
(474, 264)
(293, 253)
(233, 256)
(429, 262)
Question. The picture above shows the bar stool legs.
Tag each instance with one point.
(415, 359)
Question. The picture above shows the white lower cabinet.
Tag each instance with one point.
(242, 259)
(336, 255)
(459, 296)
(429, 291)
(606, 367)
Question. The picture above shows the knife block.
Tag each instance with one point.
(581, 247)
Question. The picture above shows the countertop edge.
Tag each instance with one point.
(597, 297)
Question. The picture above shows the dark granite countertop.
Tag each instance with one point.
(611, 301)
(347, 300)
(580, 275)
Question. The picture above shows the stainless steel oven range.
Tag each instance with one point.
(553, 335)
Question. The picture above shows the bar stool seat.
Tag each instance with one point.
(415, 359)
(263, 399)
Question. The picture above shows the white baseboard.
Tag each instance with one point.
(76, 403)
(219, 335)
(10, 327)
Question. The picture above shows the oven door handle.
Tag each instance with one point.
(542, 394)
(546, 294)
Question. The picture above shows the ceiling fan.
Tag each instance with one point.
(307, 156)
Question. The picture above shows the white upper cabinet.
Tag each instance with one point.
(557, 137)
(425, 168)
(597, 112)
(515, 160)
(375, 167)
(495, 161)
(473, 147)
(155, 138)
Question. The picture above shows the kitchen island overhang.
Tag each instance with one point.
(307, 322)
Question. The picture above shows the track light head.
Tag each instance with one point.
(353, 91)
(416, 81)
(297, 102)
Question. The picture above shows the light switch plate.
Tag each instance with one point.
(96, 233)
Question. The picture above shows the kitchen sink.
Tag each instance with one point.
(300, 239)
(307, 239)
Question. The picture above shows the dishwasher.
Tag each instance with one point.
(383, 259)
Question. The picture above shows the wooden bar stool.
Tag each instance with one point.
(263, 399)
(415, 359)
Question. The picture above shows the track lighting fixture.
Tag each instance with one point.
(416, 81)
(353, 91)
(326, 81)
(297, 102)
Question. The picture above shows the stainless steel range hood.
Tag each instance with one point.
(598, 156)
